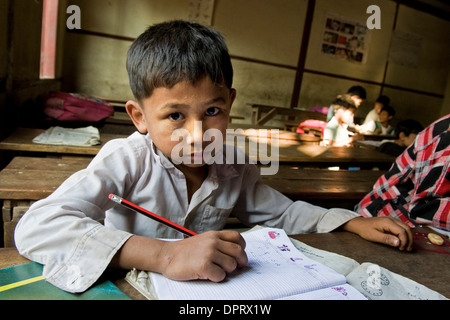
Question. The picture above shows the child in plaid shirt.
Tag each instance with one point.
(416, 189)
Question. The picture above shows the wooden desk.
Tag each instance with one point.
(271, 111)
(293, 147)
(322, 187)
(334, 156)
(22, 140)
(233, 117)
(27, 179)
(22, 183)
(377, 137)
(305, 150)
(311, 155)
(425, 267)
(261, 134)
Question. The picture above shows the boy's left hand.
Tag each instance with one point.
(385, 230)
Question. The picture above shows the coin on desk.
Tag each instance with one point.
(435, 239)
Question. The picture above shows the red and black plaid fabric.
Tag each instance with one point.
(416, 189)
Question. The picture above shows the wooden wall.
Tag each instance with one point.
(273, 64)
(275, 46)
(20, 41)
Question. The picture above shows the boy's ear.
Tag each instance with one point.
(232, 95)
(137, 116)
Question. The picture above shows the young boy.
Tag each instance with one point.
(405, 133)
(383, 126)
(368, 126)
(180, 74)
(358, 95)
(335, 132)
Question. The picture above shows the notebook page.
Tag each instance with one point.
(344, 292)
(275, 269)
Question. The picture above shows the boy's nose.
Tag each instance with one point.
(195, 130)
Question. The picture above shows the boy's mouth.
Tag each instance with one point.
(196, 156)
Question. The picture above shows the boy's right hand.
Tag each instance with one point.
(210, 255)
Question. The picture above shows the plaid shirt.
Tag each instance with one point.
(416, 189)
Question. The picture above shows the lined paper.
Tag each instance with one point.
(276, 269)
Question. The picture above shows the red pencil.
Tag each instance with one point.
(151, 215)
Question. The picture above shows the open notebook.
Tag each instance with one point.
(276, 269)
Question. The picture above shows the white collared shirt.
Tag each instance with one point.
(62, 232)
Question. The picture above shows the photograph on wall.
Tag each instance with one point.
(201, 11)
(345, 39)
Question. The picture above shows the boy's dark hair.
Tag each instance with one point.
(170, 52)
(343, 101)
(383, 100)
(357, 91)
(390, 110)
(408, 126)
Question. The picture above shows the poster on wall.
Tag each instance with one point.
(405, 49)
(201, 11)
(345, 39)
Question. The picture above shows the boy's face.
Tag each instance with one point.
(345, 115)
(193, 108)
(384, 116)
(357, 100)
(405, 140)
(378, 106)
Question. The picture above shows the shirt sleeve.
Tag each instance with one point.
(391, 192)
(63, 231)
(260, 204)
(416, 188)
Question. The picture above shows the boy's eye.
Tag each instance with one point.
(212, 111)
(175, 116)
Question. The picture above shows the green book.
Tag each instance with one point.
(25, 282)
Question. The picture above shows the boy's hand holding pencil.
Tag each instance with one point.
(208, 256)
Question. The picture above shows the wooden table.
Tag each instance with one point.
(22, 183)
(323, 187)
(270, 112)
(22, 140)
(304, 150)
(425, 267)
(377, 137)
(293, 148)
(311, 155)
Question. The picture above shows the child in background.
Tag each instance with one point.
(406, 132)
(181, 75)
(383, 126)
(335, 132)
(373, 115)
(357, 94)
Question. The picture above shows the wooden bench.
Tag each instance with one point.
(323, 187)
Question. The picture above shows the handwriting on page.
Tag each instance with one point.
(275, 269)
